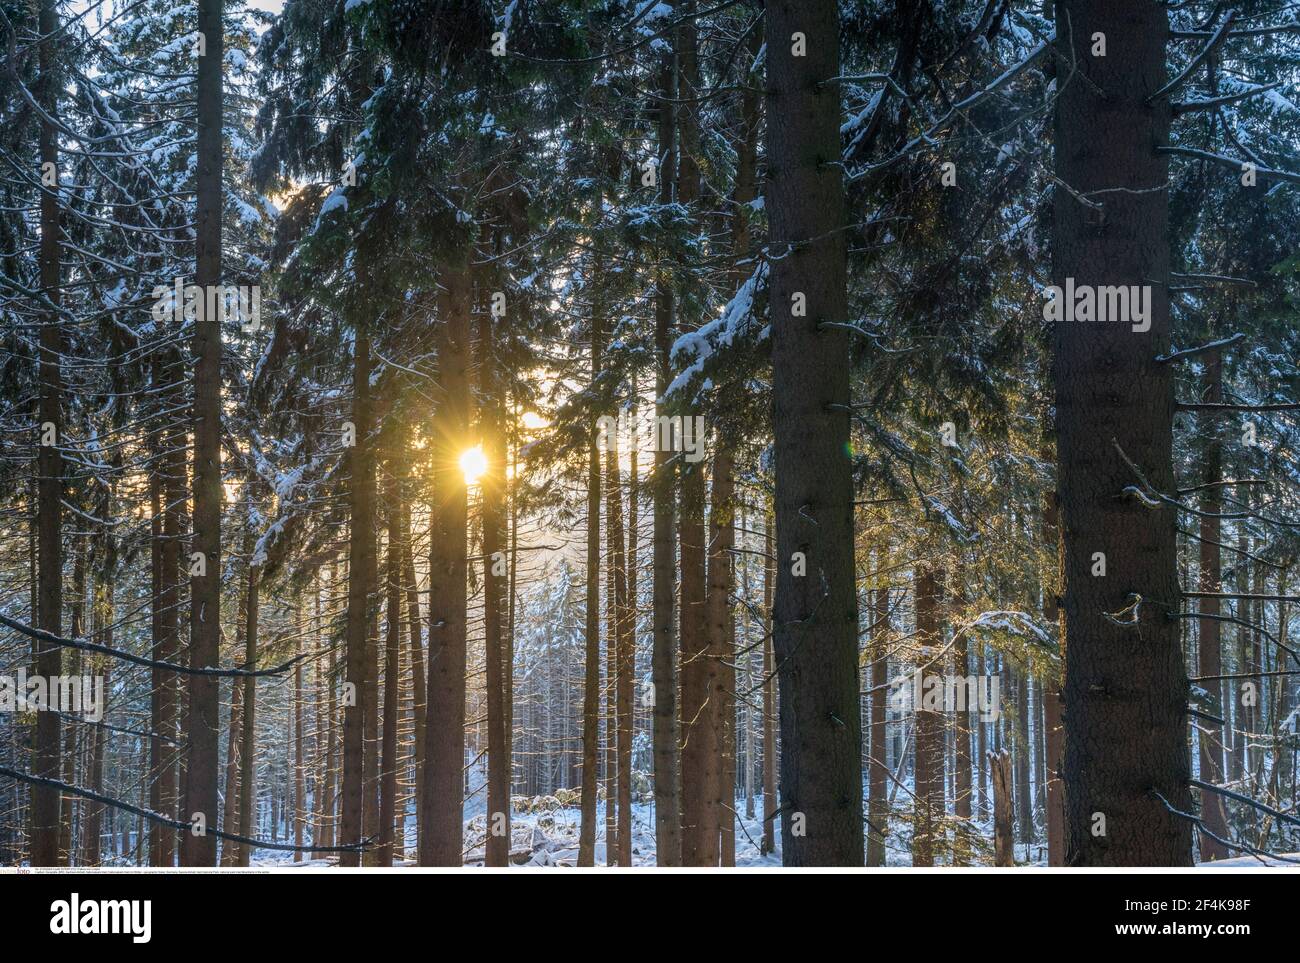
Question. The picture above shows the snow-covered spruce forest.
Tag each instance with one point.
(649, 432)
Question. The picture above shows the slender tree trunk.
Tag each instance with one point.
(48, 657)
(76, 629)
(591, 671)
(622, 667)
(248, 747)
(442, 830)
(665, 732)
(1210, 639)
(878, 769)
(362, 576)
(963, 775)
(1054, 741)
(299, 754)
(722, 645)
(770, 805)
(230, 812)
(392, 660)
(1126, 755)
(205, 589)
(492, 488)
(927, 834)
(1024, 794)
(418, 678)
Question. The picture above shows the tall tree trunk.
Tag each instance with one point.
(665, 733)
(1054, 741)
(621, 668)
(1210, 639)
(591, 670)
(248, 746)
(1023, 758)
(1125, 683)
(722, 645)
(299, 753)
(442, 830)
(963, 775)
(76, 629)
(492, 488)
(770, 805)
(48, 657)
(927, 833)
(392, 659)
(361, 585)
(230, 812)
(205, 590)
(701, 755)
(418, 678)
(878, 767)
(816, 619)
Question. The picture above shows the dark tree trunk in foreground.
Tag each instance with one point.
(442, 830)
(361, 583)
(701, 759)
(591, 669)
(816, 618)
(492, 488)
(205, 590)
(1125, 685)
(663, 670)
(49, 468)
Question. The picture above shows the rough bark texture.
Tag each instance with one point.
(1125, 685)
(495, 573)
(591, 667)
(1004, 845)
(442, 829)
(205, 590)
(701, 755)
(816, 618)
(48, 658)
(665, 732)
(361, 585)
